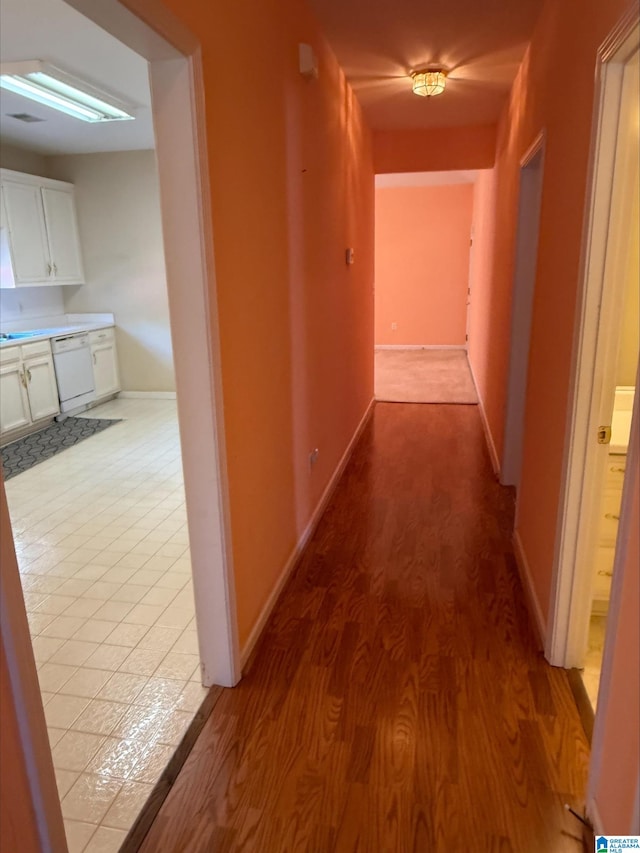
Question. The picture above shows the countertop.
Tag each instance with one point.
(52, 327)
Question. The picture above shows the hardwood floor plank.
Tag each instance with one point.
(397, 700)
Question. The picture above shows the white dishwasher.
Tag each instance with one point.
(74, 371)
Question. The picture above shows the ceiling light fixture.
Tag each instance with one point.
(429, 82)
(54, 88)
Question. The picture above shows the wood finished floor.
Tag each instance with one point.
(398, 700)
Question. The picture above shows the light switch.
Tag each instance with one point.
(349, 256)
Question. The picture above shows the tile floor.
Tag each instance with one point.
(593, 658)
(103, 552)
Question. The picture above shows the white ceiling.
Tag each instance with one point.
(52, 31)
(379, 42)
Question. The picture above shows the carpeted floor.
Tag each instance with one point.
(423, 376)
(26, 452)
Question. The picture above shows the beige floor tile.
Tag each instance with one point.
(53, 676)
(142, 661)
(44, 647)
(191, 697)
(55, 604)
(177, 665)
(106, 840)
(86, 682)
(173, 617)
(54, 735)
(74, 652)
(102, 590)
(152, 764)
(123, 687)
(160, 692)
(100, 717)
(159, 596)
(140, 723)
(127, 805)
(186, 643)
(64, 780)
(107, 657)
(83, 607)
(63, 627)
(117, 758)
(62, 711)
(144, 614)
(78, 835)
(127, 635)
(38, 622)
(160, 638)
(173, 728)
(74, 750)
(95, 630)
(89, 798)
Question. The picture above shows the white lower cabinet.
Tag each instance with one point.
(608, 531)
(28, 389)
(14, 403)
(106, 377)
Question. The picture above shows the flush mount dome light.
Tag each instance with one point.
(54, 88)
(429, 82)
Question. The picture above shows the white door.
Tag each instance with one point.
(105, 370)
(41, 386)
(29, 248)
(14, 403)
(62, 229)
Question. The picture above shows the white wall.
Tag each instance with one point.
(118, 204)
(22, 161)
(30, 303)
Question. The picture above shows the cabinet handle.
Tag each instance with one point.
(604, 574)
(612, 516)
(55, 270)
(94, 359)
(23, 379)
(48, 269)
(616, 470)
(29, 374)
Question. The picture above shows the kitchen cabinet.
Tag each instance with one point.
(608, 530)
(28, 389)
(105, 363)
(39, 241)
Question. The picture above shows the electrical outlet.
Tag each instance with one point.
(394, 326)
(313, 457)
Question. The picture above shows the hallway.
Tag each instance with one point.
(398, 700)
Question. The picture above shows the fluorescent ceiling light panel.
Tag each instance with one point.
(61, 91)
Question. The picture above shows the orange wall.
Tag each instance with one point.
(434, 149)
(538, 102)
(422, 263)
(292, 187)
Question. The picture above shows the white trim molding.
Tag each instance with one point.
(421, 346)
(491, 447)
(529, 589)
(147, 395)
(258, 628)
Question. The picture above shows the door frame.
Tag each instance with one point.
(179, 119)
(592, 380)
(521, 315)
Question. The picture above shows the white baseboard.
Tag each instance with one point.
(421, 346)
(493, 453)
(148, 395)
(594, 816)
(529, 589)
(259, 626)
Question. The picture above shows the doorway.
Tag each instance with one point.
(177, 96)
(528, 225)
(588, 556)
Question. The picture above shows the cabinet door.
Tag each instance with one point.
(105, 369)
(41, 387)
(27, 234)
(62, 230)
(14, 404)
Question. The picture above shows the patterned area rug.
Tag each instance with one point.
(423, 376)
(26, 452)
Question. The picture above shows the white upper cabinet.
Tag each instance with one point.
(39, 242)
(62, 229)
